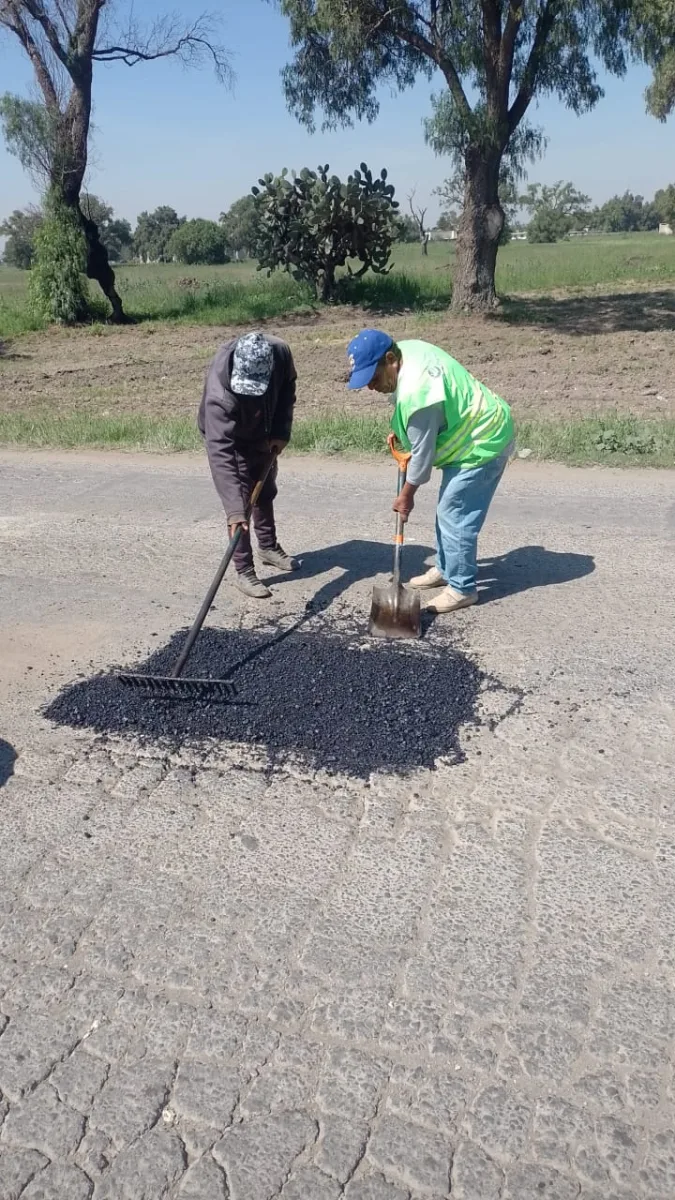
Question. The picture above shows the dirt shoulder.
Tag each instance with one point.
(554, 357)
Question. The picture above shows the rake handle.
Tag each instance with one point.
(220, 573)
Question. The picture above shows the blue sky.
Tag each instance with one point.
(166, 136)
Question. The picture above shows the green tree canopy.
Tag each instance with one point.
(239, 223)
(555, 210)
(664, 202)
(654, 40)
(625, 214)
(20, 229)
(153, 233)
(495, 57)
(198, 241)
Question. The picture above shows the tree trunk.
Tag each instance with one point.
(325, 284)
(98, 267)
(480, 227)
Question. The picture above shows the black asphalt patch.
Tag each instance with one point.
(339, 703)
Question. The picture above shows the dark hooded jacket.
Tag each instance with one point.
(234, 425)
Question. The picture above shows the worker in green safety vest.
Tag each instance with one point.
(444, 418)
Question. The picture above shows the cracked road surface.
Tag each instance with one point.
(222, 979)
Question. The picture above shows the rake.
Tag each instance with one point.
(174, 686)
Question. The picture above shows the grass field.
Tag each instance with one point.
(238, 294)
(609, 441)
(583, 350)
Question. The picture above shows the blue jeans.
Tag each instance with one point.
(463, 503)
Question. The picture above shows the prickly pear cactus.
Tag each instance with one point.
(312, 223)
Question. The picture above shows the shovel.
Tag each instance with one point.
(173, 686)
(395, 612)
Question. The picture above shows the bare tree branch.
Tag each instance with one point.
(514, 19)
(418, 215)
(168, 39)
(11, 18)
(38, 12)
(435, 52)
(545, 23)
(64, 20)
(492, 37)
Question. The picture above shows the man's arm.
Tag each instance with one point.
(221, 454)
(282, 422)
(423, 429)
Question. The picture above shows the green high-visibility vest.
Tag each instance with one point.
(478, 423)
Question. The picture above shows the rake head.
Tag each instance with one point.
(164, 687)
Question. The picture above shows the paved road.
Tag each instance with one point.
(221, 980)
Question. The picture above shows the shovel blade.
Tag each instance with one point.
(395, 613)
(165, 687)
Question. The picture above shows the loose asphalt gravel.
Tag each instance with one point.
(340, 702)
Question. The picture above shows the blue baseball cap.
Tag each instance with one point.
(364, 353)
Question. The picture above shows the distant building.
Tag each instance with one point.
(443, 235)
(667, 229)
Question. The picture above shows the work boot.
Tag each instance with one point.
(431, 578)
(247, 581)
(450, 601)
(278, 558)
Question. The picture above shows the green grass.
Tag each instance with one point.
(608, 441)
(238, 294)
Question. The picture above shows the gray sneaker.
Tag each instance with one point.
(279, 558)
(248, 583)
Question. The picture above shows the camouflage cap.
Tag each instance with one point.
(252, 365)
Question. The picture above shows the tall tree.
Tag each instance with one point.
(505, 52)
(63, 40)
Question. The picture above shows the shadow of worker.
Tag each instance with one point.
(7, 760)
(357, 560)
(529, 567)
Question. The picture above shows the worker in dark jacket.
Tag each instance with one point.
(245, 415)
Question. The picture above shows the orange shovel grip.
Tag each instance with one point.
(402, 457)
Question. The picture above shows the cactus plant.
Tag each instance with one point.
(311, 223)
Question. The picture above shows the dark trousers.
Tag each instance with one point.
(250, 465)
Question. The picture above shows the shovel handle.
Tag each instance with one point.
(218, 579)
(400, 526)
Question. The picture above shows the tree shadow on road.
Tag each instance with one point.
(7, 760)
(529, 567)
(638, 312)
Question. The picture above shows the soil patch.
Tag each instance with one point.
(549, 357)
